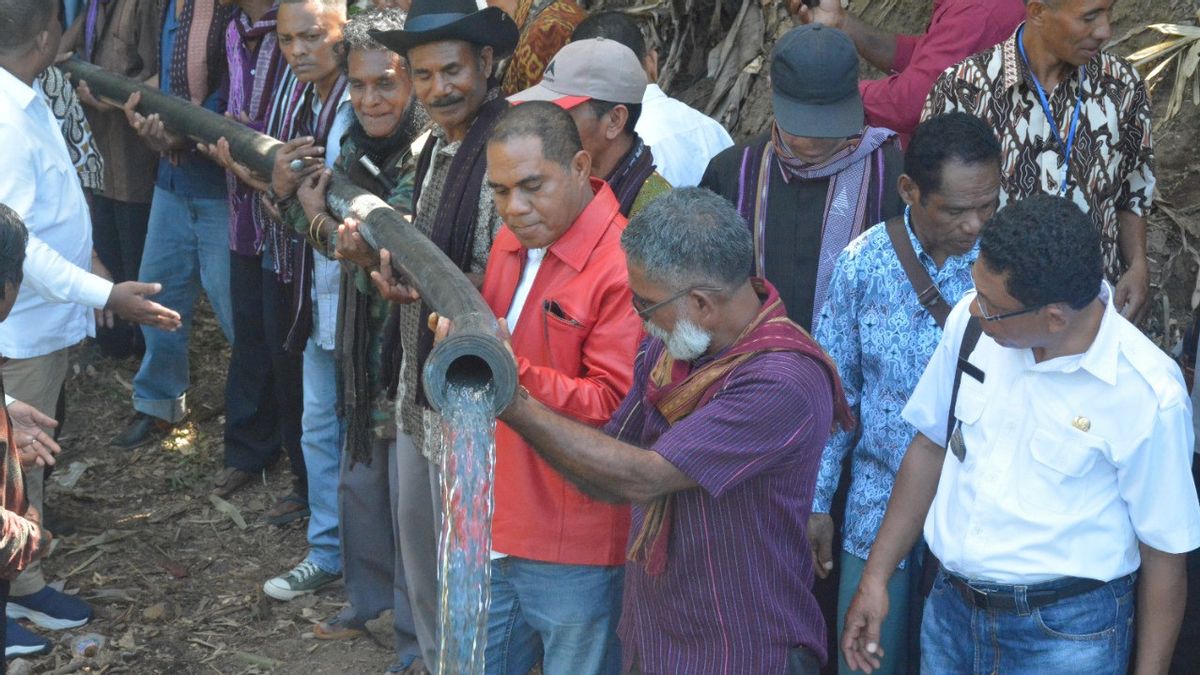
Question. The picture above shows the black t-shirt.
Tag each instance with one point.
(795, 216)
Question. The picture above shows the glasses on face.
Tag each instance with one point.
(983, 312)
(645, 310)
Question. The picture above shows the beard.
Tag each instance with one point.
(687, 342)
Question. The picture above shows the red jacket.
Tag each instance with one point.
(575, 343)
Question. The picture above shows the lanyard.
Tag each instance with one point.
(1069, 145)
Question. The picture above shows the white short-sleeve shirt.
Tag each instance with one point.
(1069, 462)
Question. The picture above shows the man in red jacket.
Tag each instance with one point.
(558, 275)
(957, 29)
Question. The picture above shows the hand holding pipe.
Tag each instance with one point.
(472, 354)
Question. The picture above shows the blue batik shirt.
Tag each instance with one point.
(881, 339)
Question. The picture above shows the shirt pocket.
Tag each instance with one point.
(1059, 479)
(563, 334)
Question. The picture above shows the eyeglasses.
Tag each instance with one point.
(645, 311)
(983, 312)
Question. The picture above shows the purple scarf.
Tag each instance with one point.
(89, 33)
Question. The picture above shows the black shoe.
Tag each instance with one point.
(142, 429)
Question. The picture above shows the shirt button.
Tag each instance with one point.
(251, 71)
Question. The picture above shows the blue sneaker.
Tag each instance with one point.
(20, 641)
(51, 609)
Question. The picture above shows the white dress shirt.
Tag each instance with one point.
(327, 274)
(681, 138)
(39, 182)
(1069, 462)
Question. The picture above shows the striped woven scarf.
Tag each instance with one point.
(198, 58)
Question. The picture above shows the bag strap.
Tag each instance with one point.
(927, 292)
(970, 339)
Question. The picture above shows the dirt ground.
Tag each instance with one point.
(176, 581)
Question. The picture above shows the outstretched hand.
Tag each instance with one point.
(29, 425)
(827, 12)
(129, 301)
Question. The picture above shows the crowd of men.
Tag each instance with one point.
(974, 463)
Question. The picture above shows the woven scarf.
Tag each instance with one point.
(199, 48)
(631, 173)
(247, 94)
(676, 391)
(457, 214)
(353, 345)
(89, 33)
(845, 215)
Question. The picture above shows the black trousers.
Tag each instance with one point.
(264, 388)
(119, 235)
(4, 624)
(1187, 648)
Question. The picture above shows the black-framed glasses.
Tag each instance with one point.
(645, 311)
(983, 311)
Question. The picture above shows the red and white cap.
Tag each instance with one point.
(596, 68)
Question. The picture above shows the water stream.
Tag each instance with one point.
(465, 542)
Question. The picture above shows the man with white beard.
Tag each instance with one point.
(716, 446)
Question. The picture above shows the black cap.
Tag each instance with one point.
(814, 83)
(438, 20)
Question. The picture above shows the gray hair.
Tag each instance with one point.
(690, 236)
(23, 20)
(356, 34)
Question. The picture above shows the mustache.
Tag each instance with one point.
(446, 101)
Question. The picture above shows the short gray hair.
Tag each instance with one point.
(690, 236)
(356, 34)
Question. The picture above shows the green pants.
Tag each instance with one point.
(893, 634)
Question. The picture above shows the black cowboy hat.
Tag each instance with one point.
(438, 20)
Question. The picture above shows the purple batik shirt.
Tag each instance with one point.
(737, 591)
(254, 65)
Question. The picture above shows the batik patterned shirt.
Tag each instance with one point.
(881, 339)
(546, 26)
(1112, 164)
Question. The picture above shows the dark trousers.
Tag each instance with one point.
(119, 235)
(263, 392)
(4, 624)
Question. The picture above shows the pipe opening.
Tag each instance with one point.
(470, 371)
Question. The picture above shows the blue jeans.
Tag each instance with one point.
(1088, 633)
(187, 246)
(322, 433)
(565, 614)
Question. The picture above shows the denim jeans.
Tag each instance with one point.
(322, 433)
(1088, 633)
(187, 246)
(565, 614)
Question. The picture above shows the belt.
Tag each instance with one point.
(1002, 597)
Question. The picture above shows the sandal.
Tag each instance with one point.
(408, 665)
(340, 627)
(229, 480)
(289, 508)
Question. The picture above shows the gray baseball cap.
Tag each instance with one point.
(605, 70)
(814, 83)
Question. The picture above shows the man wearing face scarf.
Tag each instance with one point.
(819, 177)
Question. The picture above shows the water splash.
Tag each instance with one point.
(465, 542)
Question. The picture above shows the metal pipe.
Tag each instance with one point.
(473, 353)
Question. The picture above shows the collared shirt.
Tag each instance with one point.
(1112, 165)
(39, 182)
(681, 138)
(1069, 462)
(881, 338)
(574, 342)
(126, 36)
(736, 593)
(957, 29)
(194, 175)
(423, 424)
(327, 274)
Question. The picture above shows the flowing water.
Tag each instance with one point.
(465, 542)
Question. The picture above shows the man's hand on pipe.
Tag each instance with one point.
(128, 300)
(286, 176)
(150, 127)
(219, 153)
(389, 285)
(311, 195)
(353, 248)
(85, 95)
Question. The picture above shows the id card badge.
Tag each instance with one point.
(957, 446)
